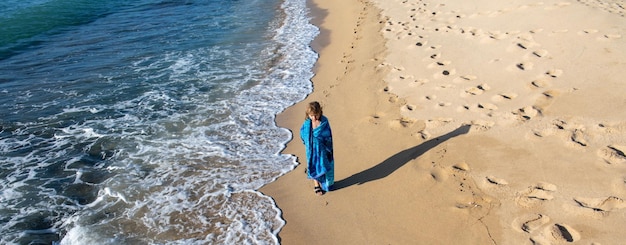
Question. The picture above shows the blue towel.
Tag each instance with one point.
(319, 152)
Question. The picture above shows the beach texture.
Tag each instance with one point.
(456, 122)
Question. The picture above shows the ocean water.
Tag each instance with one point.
(147, 121)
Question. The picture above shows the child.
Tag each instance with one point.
(318, 141)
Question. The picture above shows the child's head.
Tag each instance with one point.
(313, 110)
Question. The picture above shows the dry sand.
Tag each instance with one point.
(465, 122)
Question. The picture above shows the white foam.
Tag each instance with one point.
(7, 194)
(115, 194)
(77, 180)
(199, 141)
(80, 235)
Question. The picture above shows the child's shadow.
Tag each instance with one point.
(396, 161)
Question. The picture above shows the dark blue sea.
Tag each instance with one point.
(147, 121)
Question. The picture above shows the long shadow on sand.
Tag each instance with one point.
(396, 161)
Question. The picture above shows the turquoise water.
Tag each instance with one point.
(146, 122)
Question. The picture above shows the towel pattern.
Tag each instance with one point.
(319, 152)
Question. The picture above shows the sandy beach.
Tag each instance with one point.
(456, 122)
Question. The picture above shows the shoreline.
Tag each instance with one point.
(455, 119)
(349, 83)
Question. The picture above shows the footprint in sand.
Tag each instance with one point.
(554, 73)
(488, 106)
(443, 104)
(497, 35)
(503, 96)
(445, 73)
(549, 94)
(496, 181)
(474, 91)
(398, 68)
(557, 233)
(445, 86)
(461, 166)
(544, 233)
(439, 64)
(527, 38)
(612, 36)
(545, 101)
(374, 119)
(541, 83)
(438, 122)
(423, 134)
(484, 87)
(406, 77)
(482, 125)
(531, 223)
(444, 63)
(410, 107)
(528, 112)
(543, 132)
(523, 45)
(525, 66)
(613, 154)
(393, 99)
(469, 77)
(603, 205)
(421, 81)
(536, 194)
(430, 97)
(577, 134)
(540, 53)
(439, 174)
(535, 31)
(508, 96)
(578, 137)
(589, 31)
(478, 90)
(401, 123)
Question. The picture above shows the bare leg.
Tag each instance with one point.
(318, 188)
